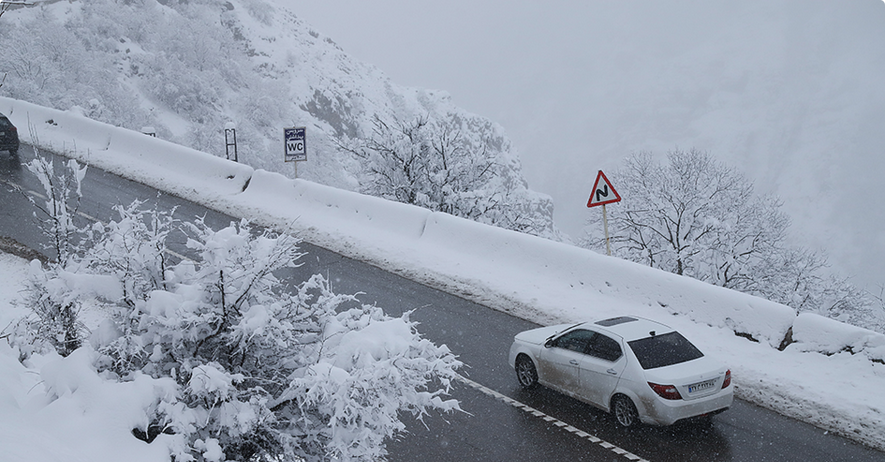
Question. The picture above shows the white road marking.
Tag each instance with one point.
(579, 433)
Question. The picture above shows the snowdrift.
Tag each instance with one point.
(531, 277)
(342, 220)
(125, 152)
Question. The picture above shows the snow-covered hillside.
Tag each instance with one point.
(830, 374)
(188, 69)
(787, 91)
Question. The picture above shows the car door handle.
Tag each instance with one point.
(612, 372)
(573, 362)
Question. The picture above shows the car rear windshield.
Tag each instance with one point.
(664, 350)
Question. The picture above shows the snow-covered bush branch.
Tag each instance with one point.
(244, 366)
(58, 209)
(55, 310)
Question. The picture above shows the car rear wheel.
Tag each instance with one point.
(624, 411)
(526, 372)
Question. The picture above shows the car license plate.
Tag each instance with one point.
(701, 386)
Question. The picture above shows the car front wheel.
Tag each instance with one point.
(624, 411)
(526, 372)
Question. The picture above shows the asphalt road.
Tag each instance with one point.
(500, 422)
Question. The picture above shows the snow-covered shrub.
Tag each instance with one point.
(262, 370)
(307, 372)
(55, 307)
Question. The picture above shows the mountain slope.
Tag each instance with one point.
(187, 68)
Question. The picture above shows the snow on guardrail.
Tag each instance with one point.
(125, 152)
(566, 272)
(475, 260)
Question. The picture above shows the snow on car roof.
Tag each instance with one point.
(633, 327)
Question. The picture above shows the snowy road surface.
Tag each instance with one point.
(504, 422)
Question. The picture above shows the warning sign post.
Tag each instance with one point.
(603, 193)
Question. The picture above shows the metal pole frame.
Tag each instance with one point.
(232, 132)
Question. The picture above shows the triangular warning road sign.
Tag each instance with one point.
(603, 193)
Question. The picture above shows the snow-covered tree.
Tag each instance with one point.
(4, 7)
(696, 217)
(693, 216)
(242, 366)
(305, 373)
(448, 164)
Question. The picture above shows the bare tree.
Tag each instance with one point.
(696, 217)
(5, 5)
(429, 164)
(393, 159)
(57, 316)
(453, 164)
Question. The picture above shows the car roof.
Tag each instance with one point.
(630, 327)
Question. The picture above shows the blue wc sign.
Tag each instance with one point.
(296, 144)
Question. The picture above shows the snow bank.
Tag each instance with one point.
(813, 332)
(139, 157)
(531, 261)
(61, 409)
(530, 277)
(311, 206)
(455, 253)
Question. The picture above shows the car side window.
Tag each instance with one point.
(576, 340)
(604, 347)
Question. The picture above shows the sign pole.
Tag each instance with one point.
(608, 248)
(603, 193)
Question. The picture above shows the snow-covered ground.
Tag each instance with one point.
(831, 376)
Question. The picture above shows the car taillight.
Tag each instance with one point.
(727, 380)
(665, 391)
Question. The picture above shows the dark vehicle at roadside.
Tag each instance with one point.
(8, 136)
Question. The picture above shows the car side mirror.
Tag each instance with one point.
(549, 343)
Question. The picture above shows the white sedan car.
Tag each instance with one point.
(635, 368)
